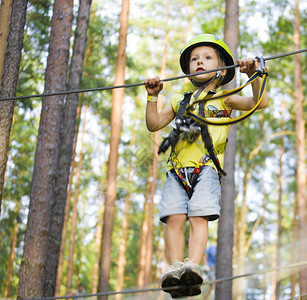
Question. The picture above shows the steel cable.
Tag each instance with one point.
(133, 291)
(141, 83)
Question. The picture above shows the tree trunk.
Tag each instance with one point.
(98, 233)
(156, 139)
(150, 219)
(116, 116)
(279, 218)
(300, 147)
(294, 250)
(7, 290)
(66, 148)
(264, 259)
(123, 247)
(190, 21)
(160, 255)
(223, 291)
(80, 249)
(125, 229)
(73, 231)
(33, 264)
(143, 234)
(9, 80)
(5, 13)
(241, 240)
(273, 278)
(67, 209)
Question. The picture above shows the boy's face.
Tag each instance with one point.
(203, 58)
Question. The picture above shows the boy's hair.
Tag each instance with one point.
(221, 58)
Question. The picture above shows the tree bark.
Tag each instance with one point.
(73, 231)
(9, 80)
(143, 234)
(66, 148)
(33, 264)
(67, 209)
(156, 139)
(8, 284)
(241, 239)
(223, 291)
(98, 232)
(279, 205)
(116, 115)
(294, 250)
(264, 259)
(5, 13)
(125, 229)
(300, 148)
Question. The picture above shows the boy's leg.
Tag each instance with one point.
(175, 244)
(174, 237)
(198, 238)
(191, 275)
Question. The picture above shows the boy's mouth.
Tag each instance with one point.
(200, 69)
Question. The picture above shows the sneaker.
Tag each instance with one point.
(191, 277)
(171, 278)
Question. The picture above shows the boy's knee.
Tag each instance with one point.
(198, 220)
(176, 220)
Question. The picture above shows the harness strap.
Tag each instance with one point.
(183, 104)
(181, 110)
(204, 120)
(183, 177)
(187, 183)
(208, 142)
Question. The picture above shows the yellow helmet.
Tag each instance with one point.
(212, 41)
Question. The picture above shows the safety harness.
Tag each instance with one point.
(189, 181)
(186, 111)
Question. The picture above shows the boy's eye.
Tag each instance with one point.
(208, 57)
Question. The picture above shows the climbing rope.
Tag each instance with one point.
(142, 83)
(134, 291)
(203, 120)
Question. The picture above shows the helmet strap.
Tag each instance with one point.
(203, 85)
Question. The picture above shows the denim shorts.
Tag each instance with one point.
(205, 200)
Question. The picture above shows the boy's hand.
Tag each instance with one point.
(247, 65)
(153, 86)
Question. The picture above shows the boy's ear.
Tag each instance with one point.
(224, 72)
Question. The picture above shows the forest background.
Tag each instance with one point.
(266, 160)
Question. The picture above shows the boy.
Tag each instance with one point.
(185, 195)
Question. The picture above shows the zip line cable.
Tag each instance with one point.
(133, 291)
(142, 83)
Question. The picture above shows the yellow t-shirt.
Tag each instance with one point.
(189, 153)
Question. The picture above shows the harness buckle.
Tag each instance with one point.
(260, 65)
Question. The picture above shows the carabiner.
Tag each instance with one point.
(260, 65)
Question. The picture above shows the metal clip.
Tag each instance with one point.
(260, 65)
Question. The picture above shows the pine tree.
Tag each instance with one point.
(45, 167)
(225, 229)
(300, 146)
(66, 147)
(9, 80)
(116, 115)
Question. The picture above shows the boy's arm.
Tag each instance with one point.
(246, 103)
(156, 120)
